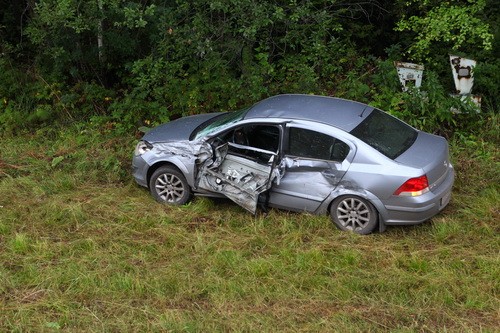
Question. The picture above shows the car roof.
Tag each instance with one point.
(338, 112)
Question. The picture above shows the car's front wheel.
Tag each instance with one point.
(354, 214)
(168, 185)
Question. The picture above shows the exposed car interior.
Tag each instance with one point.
(243, 163)
(265, 138)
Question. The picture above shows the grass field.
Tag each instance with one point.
(83, 249)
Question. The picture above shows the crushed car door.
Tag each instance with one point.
(239, 172)
(313, 165)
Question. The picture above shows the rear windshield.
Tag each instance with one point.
(385, 133)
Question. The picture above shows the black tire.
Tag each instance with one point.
(352, 213)
(168, 185)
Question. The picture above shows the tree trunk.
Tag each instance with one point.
(100, 42)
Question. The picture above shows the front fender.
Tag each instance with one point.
(185, 155)
(178, 163)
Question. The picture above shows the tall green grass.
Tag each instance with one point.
(82, 248)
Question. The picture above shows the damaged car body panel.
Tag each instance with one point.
(184, 154)
(306, 184)
(240, 179)
(302, 153)
(315, 160)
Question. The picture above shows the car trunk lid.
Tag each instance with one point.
(430, 153)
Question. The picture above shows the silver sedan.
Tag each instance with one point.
(323, 155)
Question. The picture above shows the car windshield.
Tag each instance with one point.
(218, 123)
(387, 134)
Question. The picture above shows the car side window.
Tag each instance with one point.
(266, 137)
(316, 145)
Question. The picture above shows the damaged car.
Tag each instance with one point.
(318, 154)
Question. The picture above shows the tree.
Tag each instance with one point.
(455, 25)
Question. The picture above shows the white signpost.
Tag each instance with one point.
(463, 74)
(410, 75)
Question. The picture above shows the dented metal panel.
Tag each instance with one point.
(410, 75)
(184, 154)
(239, 178)
(306, 183)
(199, 150)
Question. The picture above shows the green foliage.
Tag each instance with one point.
(135, 16)
(430, 108)
(487, 83)
(457, 24)
(231, 54)
(22, 103)
(29, 105)
(138, 63)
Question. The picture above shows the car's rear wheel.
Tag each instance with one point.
(355, 214)
(168, 185)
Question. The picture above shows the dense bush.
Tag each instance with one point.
(145, 62)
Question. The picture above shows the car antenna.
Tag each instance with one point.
(361, 115)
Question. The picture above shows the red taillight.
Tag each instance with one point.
(414, 187)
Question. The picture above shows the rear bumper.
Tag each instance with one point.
(415, 210)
